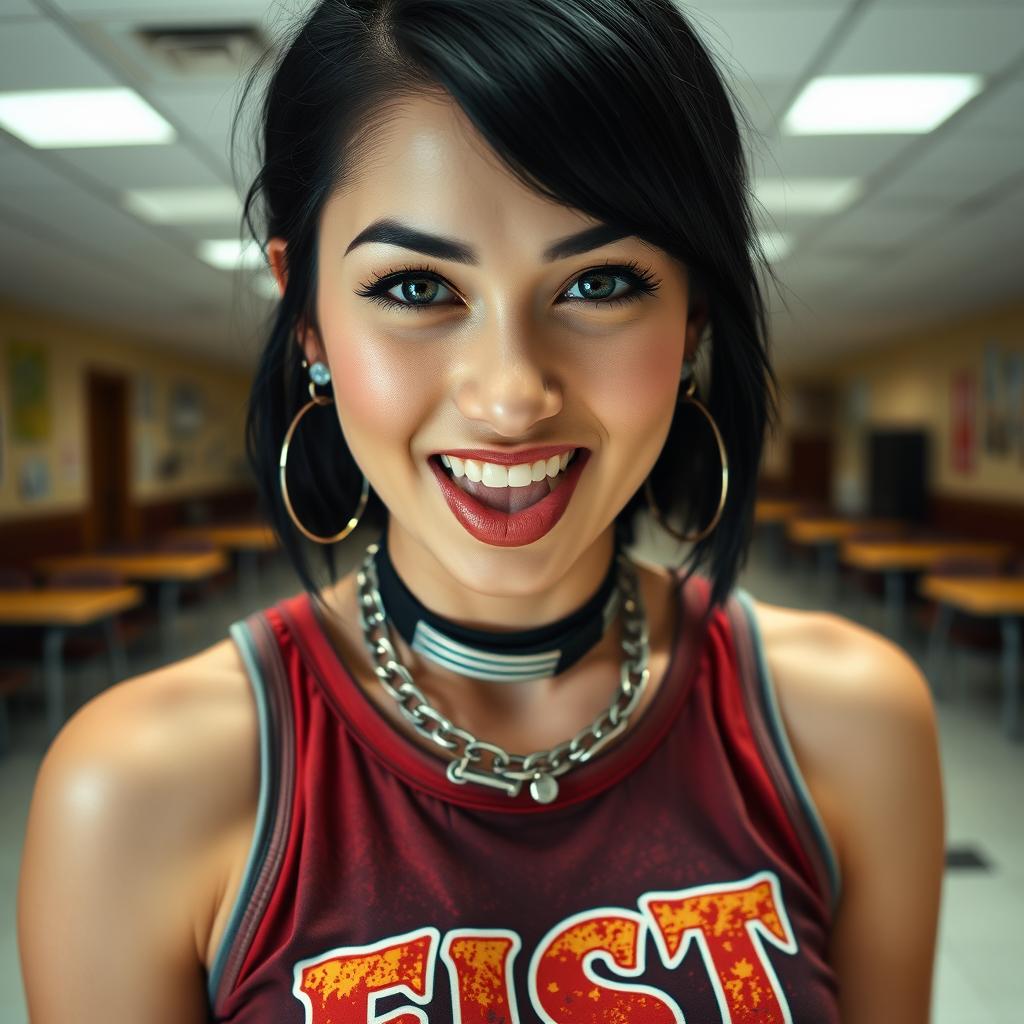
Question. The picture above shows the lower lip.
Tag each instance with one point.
(502, 529)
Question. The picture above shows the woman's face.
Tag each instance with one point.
(505, 348)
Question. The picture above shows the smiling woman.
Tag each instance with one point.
(519, 301)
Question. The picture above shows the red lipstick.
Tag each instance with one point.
(502, 529)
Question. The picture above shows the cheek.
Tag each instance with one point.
(379, 392)
(636, 386)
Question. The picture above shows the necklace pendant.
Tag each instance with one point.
(543, 788)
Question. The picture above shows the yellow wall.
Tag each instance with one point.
(211, 460)
(908, 381)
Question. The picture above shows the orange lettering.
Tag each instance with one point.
(343, 985)
(729, 923)
(564, 989)
(480, 965)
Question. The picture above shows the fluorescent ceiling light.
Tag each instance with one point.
(776, 245)
(806, 195)
(878, 104)
(183, 205)
(231, 254)
(76, 118)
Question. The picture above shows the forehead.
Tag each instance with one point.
(427, 165)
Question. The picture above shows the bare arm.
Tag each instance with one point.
(119, 867)
(863, 727)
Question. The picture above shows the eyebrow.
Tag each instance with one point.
(392, 232)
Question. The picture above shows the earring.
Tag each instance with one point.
(687, 397)
(320, 375)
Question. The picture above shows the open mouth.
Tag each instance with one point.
(510, 498)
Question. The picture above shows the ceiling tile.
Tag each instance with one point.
(40, 55)
(17, 8)
(142, 167)
(766, 43)
(995, 112)
(844, 156)
(930, 5)
(957, 167)
(969, 37)
(876, 225)
(160, 10)
(762, 100)
(206, 112)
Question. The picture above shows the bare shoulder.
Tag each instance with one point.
(855, 705)
(138, 806)
(861, 720)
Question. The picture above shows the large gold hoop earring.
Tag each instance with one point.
(649, 493)
(314, 399)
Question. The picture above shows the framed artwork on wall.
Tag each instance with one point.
(963, 422)
(27, 373)
(185, 414)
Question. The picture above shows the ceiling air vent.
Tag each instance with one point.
(208, 50)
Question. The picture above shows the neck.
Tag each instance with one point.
(504, 590)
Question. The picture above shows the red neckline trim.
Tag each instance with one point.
(425, 770)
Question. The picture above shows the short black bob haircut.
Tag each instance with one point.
(611, 107)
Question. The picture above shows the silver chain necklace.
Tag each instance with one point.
(508, 771)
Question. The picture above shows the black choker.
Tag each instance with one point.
(497, 657)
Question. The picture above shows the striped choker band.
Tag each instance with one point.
(496, 657)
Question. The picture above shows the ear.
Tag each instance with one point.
(698, 319)
(277, 254)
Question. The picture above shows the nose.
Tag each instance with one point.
(504, 385)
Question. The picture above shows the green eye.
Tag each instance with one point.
(420, 285)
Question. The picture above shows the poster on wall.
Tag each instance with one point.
(145, 397)
(963, 435)
(186, 414)
(29, 392)
(1015, 392)
(34, 479)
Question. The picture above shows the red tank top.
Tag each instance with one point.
(681, 875)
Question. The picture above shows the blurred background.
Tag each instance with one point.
(887, 154)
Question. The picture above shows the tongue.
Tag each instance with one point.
(506, 499)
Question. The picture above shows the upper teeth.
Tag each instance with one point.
(493, 475)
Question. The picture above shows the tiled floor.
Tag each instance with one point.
(978, 977)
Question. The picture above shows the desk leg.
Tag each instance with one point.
(115, 650)
(895, 592)
(169, 592)
(248, 573)
(1011, 676)
(5, 727)
(938, 647)
(53, 677)
(828, 568)
(778, 542)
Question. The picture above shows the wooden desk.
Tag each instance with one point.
(770, 517)
(821, 530)
(58, 610)
(167, 569)
(245, 540)
(774, 510)
(825, 533)
(894, 558)
(1001, 597)
(233, 536)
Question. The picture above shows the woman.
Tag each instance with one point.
(500, 771)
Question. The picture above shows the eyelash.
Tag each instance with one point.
(641, 278)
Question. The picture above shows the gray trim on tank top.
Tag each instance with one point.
(785, 748)
(257, 851)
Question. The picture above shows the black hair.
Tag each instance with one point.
(611, 107)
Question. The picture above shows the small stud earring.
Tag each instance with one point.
(319, 374)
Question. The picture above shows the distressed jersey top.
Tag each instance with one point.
(682, 875)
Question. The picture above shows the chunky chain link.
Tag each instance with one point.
(507, 771)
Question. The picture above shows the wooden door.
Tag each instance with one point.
(110, 515)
